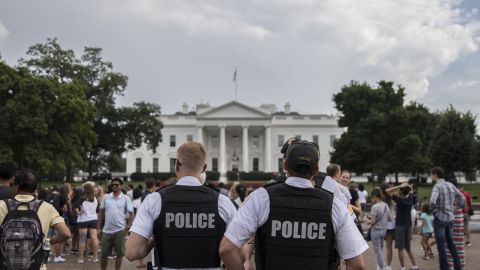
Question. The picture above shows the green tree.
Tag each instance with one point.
(383, 135)
(116, 128)
(44, 124)
(453, 144)
(411, 129)
(366, 111)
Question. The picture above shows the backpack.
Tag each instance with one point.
(21, 237)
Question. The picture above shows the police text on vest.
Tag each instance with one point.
(190, 220)
(298, 230)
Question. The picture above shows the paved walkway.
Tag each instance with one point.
(471, 254)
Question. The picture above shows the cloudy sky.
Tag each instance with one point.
(300, 51)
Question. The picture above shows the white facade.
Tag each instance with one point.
(236, 136)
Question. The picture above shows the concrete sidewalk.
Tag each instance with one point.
(471, 255)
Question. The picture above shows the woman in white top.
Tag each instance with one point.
(390, 235)
(362, 198)
(87, 208)
(137, 202)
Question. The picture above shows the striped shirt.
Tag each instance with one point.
(442, 199)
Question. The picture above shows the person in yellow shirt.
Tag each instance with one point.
(25, 185)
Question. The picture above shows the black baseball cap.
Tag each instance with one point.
(302, 156)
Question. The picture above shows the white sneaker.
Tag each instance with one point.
(58, 259)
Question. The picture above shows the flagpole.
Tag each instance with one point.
(236, 90)
(235, 81)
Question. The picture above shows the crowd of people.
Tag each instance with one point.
(296, 221)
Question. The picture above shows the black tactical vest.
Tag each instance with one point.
(299, 231)
(189, 228)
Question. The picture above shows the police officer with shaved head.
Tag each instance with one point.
(187, 220)
(296, 225)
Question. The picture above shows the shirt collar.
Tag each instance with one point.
(188, 181)
(24, 197)
(328, 178)
(298, 182)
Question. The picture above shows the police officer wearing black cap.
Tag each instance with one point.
(297, 225)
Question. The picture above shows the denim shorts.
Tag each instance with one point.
(91, 224)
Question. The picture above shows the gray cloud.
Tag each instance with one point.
(3, 32)
(297, 51)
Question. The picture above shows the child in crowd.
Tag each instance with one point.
(426, 231)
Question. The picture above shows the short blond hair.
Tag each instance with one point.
(192, 156)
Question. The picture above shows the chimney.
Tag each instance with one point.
(287, 108)
(185, 108)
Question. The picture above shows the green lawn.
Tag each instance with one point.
(423, 190)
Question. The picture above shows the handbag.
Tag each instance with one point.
(358, 223)
(470, 211)
(368, 236)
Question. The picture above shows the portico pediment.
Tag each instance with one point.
(233, 110)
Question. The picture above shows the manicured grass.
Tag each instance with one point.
(423, 190)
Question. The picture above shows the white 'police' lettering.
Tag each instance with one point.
(298, 230)
(190, 220)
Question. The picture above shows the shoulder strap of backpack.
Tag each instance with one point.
(34, 205)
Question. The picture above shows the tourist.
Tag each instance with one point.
(467, 214)
(7, 174)
(390, 234)
(362, 198)
(115, 209)
(458, 231)
(379, 216)
(442, 202)
(426, 231)
(403, 222)
(25, 186)
(87, 221)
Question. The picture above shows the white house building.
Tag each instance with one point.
(236, 137)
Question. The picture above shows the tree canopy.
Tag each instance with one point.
(386, 136)
(59, 113)
(453, 144)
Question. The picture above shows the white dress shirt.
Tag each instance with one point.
(255, 210)
(152, 206)
(329, 184)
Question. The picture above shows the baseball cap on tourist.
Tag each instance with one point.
(302, 156)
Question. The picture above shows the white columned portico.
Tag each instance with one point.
(245, 148)
(223, 170)
(268, 148)
(200, 133)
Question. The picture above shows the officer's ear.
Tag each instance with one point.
(315, 171)
(177, 165)
(285, 165)
(204, 167)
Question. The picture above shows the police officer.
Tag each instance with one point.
(187, 220)
(296, 224)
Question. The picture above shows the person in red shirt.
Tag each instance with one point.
(466, 217)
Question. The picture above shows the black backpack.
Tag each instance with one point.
(21, 237)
